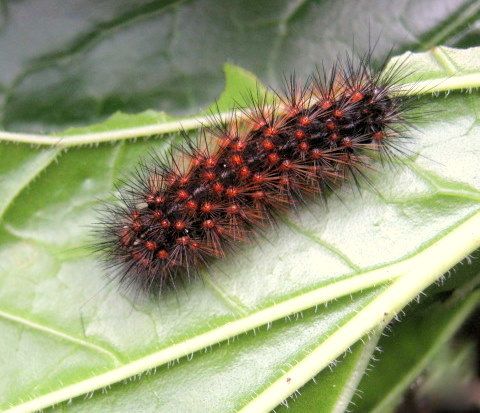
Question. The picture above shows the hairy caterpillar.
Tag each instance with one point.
(219, 189)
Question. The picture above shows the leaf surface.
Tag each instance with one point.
(422, 218)
(375, 383)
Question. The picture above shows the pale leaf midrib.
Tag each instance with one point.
(460, 241)
(350, 386)
(453, 79)
(113, 135)
(424, 271)
(300, 303)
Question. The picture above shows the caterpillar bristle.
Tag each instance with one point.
(180, 211)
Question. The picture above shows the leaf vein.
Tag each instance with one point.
(59, 334)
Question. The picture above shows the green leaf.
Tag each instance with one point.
(121, 121)
(422, 218)
(441, 69)
(333, 388)
(362, 382)
(226, 378)
(407, 351)
(69, 63)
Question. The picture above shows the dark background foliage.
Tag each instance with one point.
(70, 62)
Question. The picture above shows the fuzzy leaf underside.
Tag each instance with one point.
(366, 382)
(422, 217)
(198, 385)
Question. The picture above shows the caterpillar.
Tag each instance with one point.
(180, 211)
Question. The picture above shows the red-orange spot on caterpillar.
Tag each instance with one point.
(270, 131)
(180, 225)
(356, 97)
(347, 142)
(185, 240)
(224, 142)
(338, 113)
(165, 224)
(207, 207)
(239, 146)
(303, 146)
(150, 245)
(233, 209)
(208, 176)
(378, 136)
(286, 165)
(136, 226)
(182, 195)
(258, 178)
(304, 121)
(217, 188)
(244, 172)
(157, 214)
(326, 104)
(191, 206)
(299, 134)
(197, 161)
(183, 180)
(232, 192)
(316, 153)
(162, 254)
(268, 145)
(210, 162)
(334, 137)
(257, 195)
(273, 158)
(236, 160)
(208, 224)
